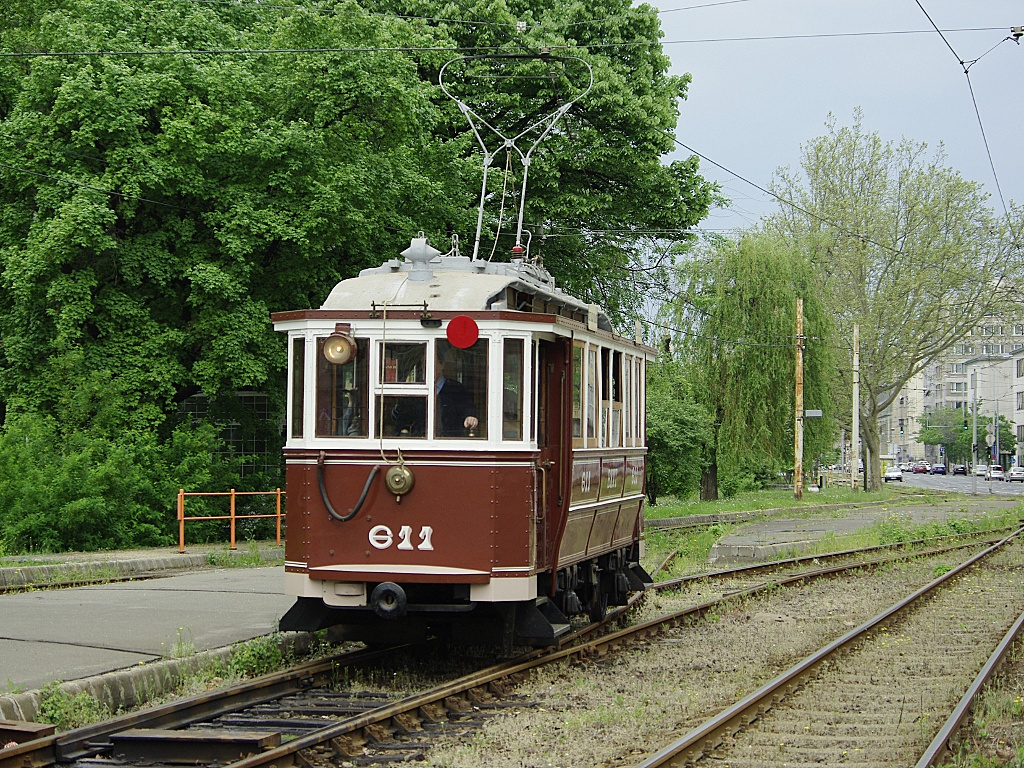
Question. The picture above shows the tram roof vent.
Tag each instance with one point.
(420, 253)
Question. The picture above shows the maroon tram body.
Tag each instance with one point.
(503, 505)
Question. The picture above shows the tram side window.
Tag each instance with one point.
(577, 394)
(627, 399)
(638, 402)
(591, 393)
(613, 383)
(298, 385)
(342, 393)
(460, 390)
(512, 390)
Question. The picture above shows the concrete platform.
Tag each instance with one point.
(138, 631)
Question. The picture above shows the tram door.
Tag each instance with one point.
(552, 389)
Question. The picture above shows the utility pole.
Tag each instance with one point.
(798, 432)
(974, 444)
(855, 437)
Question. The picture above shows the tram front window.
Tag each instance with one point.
(341, 393)
(460, 390)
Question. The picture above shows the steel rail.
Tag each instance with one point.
(696, 742)
(285, 754)
(90, 740)
(772, 564)
(940, 746)
(74, 744)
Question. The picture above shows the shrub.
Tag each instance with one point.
(65, 711)
(86, 491)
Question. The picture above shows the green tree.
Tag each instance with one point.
(949, 428)
(155, 209)
(678, 429)
(904, 247)
(599, 192)
(735, 319)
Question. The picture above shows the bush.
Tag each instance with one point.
(733, 484)
(257, 657)
(60, 708)
(85, 491)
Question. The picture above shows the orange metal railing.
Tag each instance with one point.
(232, 516)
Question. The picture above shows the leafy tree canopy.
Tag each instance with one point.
(735, 320)
(177, 171)
(905, 248)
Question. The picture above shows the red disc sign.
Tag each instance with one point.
(462, 332)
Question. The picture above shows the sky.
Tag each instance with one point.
(767, 73)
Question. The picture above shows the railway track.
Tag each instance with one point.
(294, 718)
(889, 692)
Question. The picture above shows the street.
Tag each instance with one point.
(963, 484)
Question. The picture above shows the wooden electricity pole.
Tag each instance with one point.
(855, 437)
(798, 436)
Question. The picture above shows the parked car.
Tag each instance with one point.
(939, 469)
(995, 472)
(893, 473)
(1015, 474)
(960, 469)
(920, 468)
(980, 470)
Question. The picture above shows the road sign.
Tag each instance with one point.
(989, 439)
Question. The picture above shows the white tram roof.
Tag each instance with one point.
(451, 283)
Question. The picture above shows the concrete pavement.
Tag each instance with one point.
(106, 638)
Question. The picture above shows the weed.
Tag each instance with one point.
(257, 657)
(235, 559)
(65, 711)
(184, 645)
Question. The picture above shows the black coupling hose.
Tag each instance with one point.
(327, 503)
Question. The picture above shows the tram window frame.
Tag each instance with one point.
(470, 368)
(639, 398)
(407, 364)
(613, 377)
(513, 385)
(349, 382)
(590, 395)
(578, 349)
(298, 392)
(627, 400)
(401, 408)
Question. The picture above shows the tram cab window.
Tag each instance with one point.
(512, 390)
(403, 371)
(403, 363)
(460, 390)
(342, 393)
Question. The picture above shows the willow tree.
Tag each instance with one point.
(735, 319)
(905, 248)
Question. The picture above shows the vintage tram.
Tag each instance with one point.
(465, 454)
(465, 447)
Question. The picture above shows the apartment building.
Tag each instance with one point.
(987, 368)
